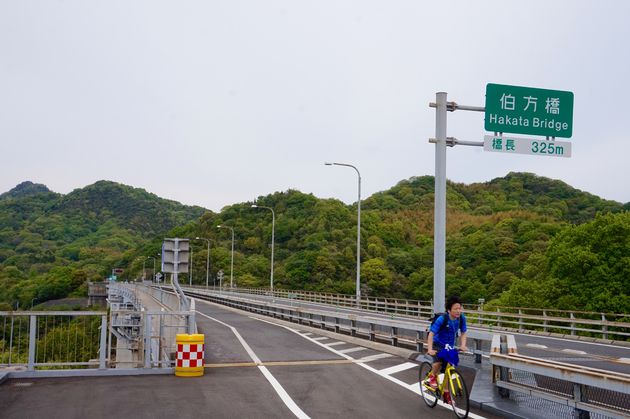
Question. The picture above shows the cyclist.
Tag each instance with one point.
(443, 333)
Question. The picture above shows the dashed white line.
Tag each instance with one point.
(536, 345)
(624, 360)
(574, 351)
(320, 338)
(355, 349)
(336, 343)
(398, 368)
(374, 357)
(414, 387)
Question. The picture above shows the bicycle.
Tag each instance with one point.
(457, 391)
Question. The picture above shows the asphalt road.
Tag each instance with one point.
(600, 355)
(312, 375)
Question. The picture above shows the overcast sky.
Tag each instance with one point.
(213, 103)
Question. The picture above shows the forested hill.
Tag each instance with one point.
(516, 191)
(137, 210)
(519, 240)
(501, 235)
(51, 243)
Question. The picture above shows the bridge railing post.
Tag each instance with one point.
(102, 361)
(32, 342)
(147, 340)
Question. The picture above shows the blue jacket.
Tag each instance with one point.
(446, 335)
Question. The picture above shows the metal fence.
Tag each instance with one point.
(144, 325)
(410, 333)
(562, 390)
(138, 332)
(607, 326)
(53, 339)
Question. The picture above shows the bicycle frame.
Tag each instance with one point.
(450, 376)
(452, 384)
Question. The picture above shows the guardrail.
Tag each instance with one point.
(410, 332)
(53, 339)
(135, 337)
(567, 390)
(607, 326)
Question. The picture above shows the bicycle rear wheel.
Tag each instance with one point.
(429, 395)
(459, 395)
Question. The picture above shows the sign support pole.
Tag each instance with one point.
(439, 230)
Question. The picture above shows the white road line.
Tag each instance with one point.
(624, 360)
(374, 357)
(320, 338)
(563, 342)
(574, 351)
(415, 387)
(284, 396)
(288, 401)
(355, 349)
(336, 343)
(397, 368)
(536, 345)
(303, 334)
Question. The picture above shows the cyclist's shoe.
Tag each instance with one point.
(431, 382)
(447, 398)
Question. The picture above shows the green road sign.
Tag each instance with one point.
(514, 145)
(527, 110)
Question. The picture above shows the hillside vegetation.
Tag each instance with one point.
(51, 244)
(520, 240)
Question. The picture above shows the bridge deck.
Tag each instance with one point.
(265, 371)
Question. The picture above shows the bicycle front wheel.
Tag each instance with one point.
(429, 395)
(459, 395)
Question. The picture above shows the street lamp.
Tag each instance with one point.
(147, 258)
(273, 232)
(207, 259)
(231, 263)
(358, 230)
(190, 274)
(158, 255)
(143, 259)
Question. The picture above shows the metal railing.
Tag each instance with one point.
(53, 339)
(595, 325)
(145, 322)
(396, 332)
(562, 390)
(130, 335)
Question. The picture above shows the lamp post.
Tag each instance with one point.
(190, 274)
(143, 259)
(273, 233)
(159, 255)
(207, 259)
(147, 258)
(358, 231)
(232, 262)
